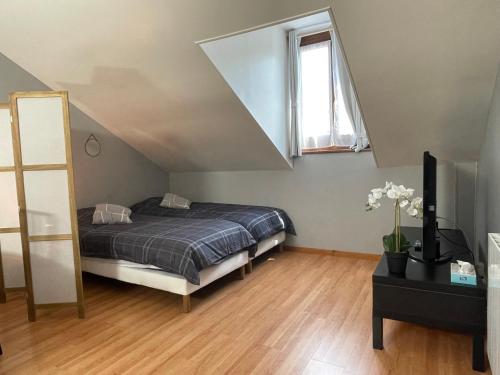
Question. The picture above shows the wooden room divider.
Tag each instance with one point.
(11, 253)
(46, 197)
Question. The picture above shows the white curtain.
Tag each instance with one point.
(317, 98)
(346, 111)
(294, 89)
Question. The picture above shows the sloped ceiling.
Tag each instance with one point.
(135, 68)
(424, 71)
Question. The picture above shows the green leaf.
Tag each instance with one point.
(390, 241)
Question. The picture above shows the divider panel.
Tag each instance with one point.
(53, 272)
(11, 263)
(41, 129)
(49, 226)
(47, 202)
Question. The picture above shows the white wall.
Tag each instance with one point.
(120, 174)
(488, 198)
(254, 66)
(325, 196)
(465, 194)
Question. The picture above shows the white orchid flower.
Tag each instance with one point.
(404, 192)
(388, 185)
(398, 192)
(378, 193)
(371, 199)
(415, 209)
(403, 202)
(394, 192)
(413, 212)
(391, 193)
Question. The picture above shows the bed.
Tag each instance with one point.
(267, 225)
(178, 255)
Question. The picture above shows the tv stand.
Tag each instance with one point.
(425, 295)
(417, 255)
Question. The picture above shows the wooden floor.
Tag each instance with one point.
(295, 314)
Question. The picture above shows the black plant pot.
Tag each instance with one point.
(397, 262)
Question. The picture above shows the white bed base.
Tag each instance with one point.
(264, 246)
(153, 277)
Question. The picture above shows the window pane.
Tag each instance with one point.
(316, 95)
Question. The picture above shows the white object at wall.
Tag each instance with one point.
(494, 302)
(11, 255)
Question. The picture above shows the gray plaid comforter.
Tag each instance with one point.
(262, 222)
(176, 245)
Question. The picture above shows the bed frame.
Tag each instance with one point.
(264, 246)
(153, 277)
(158, 279)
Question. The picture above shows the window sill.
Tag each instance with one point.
(330, 150)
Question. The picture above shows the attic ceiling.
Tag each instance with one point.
(424, 72)
(135, 68)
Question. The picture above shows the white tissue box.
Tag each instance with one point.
(462, 278)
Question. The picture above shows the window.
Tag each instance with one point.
(325, 123)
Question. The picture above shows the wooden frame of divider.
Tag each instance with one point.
(3, 230)
(19, 169)
(4, 290)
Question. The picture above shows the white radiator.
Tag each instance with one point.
(494, 302)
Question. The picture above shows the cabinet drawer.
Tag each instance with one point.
(439, 309)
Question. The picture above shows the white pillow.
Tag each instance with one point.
(171, 200)
(111, 214)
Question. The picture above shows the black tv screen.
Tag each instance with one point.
(429, 245)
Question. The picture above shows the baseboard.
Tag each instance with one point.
(338, 253)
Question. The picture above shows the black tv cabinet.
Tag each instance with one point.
(425, 295)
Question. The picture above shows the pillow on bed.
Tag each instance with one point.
(111, 214)
(171, 200)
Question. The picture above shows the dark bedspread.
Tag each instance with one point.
(177, 245)
(262, 222)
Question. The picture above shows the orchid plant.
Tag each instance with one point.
(396, 242)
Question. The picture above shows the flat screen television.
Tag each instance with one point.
(430, 245)
(430, 241)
